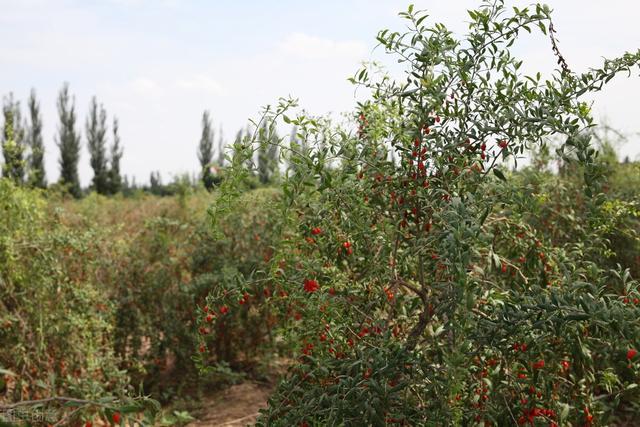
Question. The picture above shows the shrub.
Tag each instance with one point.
(419, 281)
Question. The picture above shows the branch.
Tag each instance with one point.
(45, 401)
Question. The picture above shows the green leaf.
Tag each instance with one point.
(499, 174)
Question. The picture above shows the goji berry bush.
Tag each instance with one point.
(98, 302)
(423, 273)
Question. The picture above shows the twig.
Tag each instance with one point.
(509, 409)
(233, 422)
(554, 46)
(43, 401)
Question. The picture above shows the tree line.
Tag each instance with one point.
(23, 150)
(23, 145)
(264, 166)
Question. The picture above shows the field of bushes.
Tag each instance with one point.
(100, 296)
(108, 297)
(463, 251)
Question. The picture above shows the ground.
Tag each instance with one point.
(235, 406)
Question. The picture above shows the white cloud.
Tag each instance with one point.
(201, 82)
(146, 86)
(311, 47)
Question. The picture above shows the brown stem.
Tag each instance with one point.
(418, 329)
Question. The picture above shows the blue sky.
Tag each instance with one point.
(157, 64)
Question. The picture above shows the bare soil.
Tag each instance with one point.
(236, 406)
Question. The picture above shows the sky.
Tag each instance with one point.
(158, 64)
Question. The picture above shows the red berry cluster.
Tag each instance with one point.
(362, 124)
(311, 285)
(347, 248)
(245, 299)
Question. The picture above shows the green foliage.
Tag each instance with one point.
(55, 315)
(114, 178)
(418, 280)
(96, 129)
(99, 297)
(205, 152)
(267, 156)
(13, 141)
(68, 141)
(37, 173)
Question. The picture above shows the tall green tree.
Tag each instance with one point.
(114, 177)
(12, 141)
(96, 131)
(250, 163)
(155, 183)
(37, 174)
(205, 150)
(68, 141)
(298, 150)
(267, 154)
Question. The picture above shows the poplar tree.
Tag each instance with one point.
(68, 141)
(12, 141)
(37, 174)
(294, 150)
(205, 150)
(114, 177)
(155, 183)
(267, 154)
(96, 131)
(250, 163)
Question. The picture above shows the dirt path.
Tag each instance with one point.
(236, 406)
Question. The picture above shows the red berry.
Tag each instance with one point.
(116, 417)
(311, 285)
(224, 309)
(631, 353)
(316, 230)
